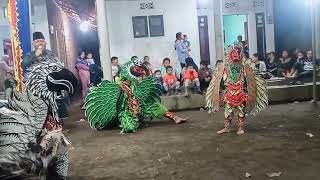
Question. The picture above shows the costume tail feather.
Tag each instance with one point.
(26, 166)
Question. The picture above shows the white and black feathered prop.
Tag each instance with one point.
(23, 117)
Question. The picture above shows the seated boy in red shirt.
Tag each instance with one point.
(191, 79)
(170, 81)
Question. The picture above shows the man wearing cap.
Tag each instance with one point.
(42, 54)
(39, 54)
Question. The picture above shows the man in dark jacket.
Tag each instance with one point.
(205, 75)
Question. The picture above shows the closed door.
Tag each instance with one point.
(204, 38)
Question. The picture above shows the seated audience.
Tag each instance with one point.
(9, 84)
(272, 65)
(260, 66)
(189, 61)
(170, 81)
(303, 68)
(146, 62)
(191, 79)
(297, 66)
(165, 63)
(285, 65)
(157, 75)
(205, 75)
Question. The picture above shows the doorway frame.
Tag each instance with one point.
(252, 32)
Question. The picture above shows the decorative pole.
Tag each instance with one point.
(19, 17)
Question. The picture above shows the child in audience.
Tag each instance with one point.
(191, 79)
(205, 75)
(146, 62)
(260, 66)
(272, 65)
(165, 63)
(116, 68)
(157, 75)
(9, 84)
(170, 81)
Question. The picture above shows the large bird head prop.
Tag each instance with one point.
(47, 79)
(134, 69)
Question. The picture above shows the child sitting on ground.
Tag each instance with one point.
(191, 79)
(157, 76)
(9, 84)
(171, 82)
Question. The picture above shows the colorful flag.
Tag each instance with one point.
(19, 16)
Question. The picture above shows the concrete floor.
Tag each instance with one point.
(275, 141)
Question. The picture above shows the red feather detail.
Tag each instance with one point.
(251, 88)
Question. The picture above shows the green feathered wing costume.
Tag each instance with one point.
(125, 103)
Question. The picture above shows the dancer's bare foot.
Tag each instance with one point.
(240, 131)
(179, 120)
(224, 130)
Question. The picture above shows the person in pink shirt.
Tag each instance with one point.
(84, 72)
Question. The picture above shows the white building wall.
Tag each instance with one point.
(39, 20)
(5, 31)
(178, 16)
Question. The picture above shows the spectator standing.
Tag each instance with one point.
(191, 79)
(84, 73)
(187, 44)
(205, 75)
(181, 49)
(170, 81)
(95, 70)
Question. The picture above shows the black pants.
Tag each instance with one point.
(182, 65)
(204, 85)
(62, 108)
(305, 74)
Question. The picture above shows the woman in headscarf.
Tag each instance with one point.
(189, 61)
(84, 73)
(4, 68)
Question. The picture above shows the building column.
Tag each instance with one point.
(317, 29)
(211, 31)
(269, 26)
(218, 30)
(252, 31)
(104, 43)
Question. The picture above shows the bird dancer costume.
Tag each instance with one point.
(127, 102)
(32, 144)
(238, 87)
